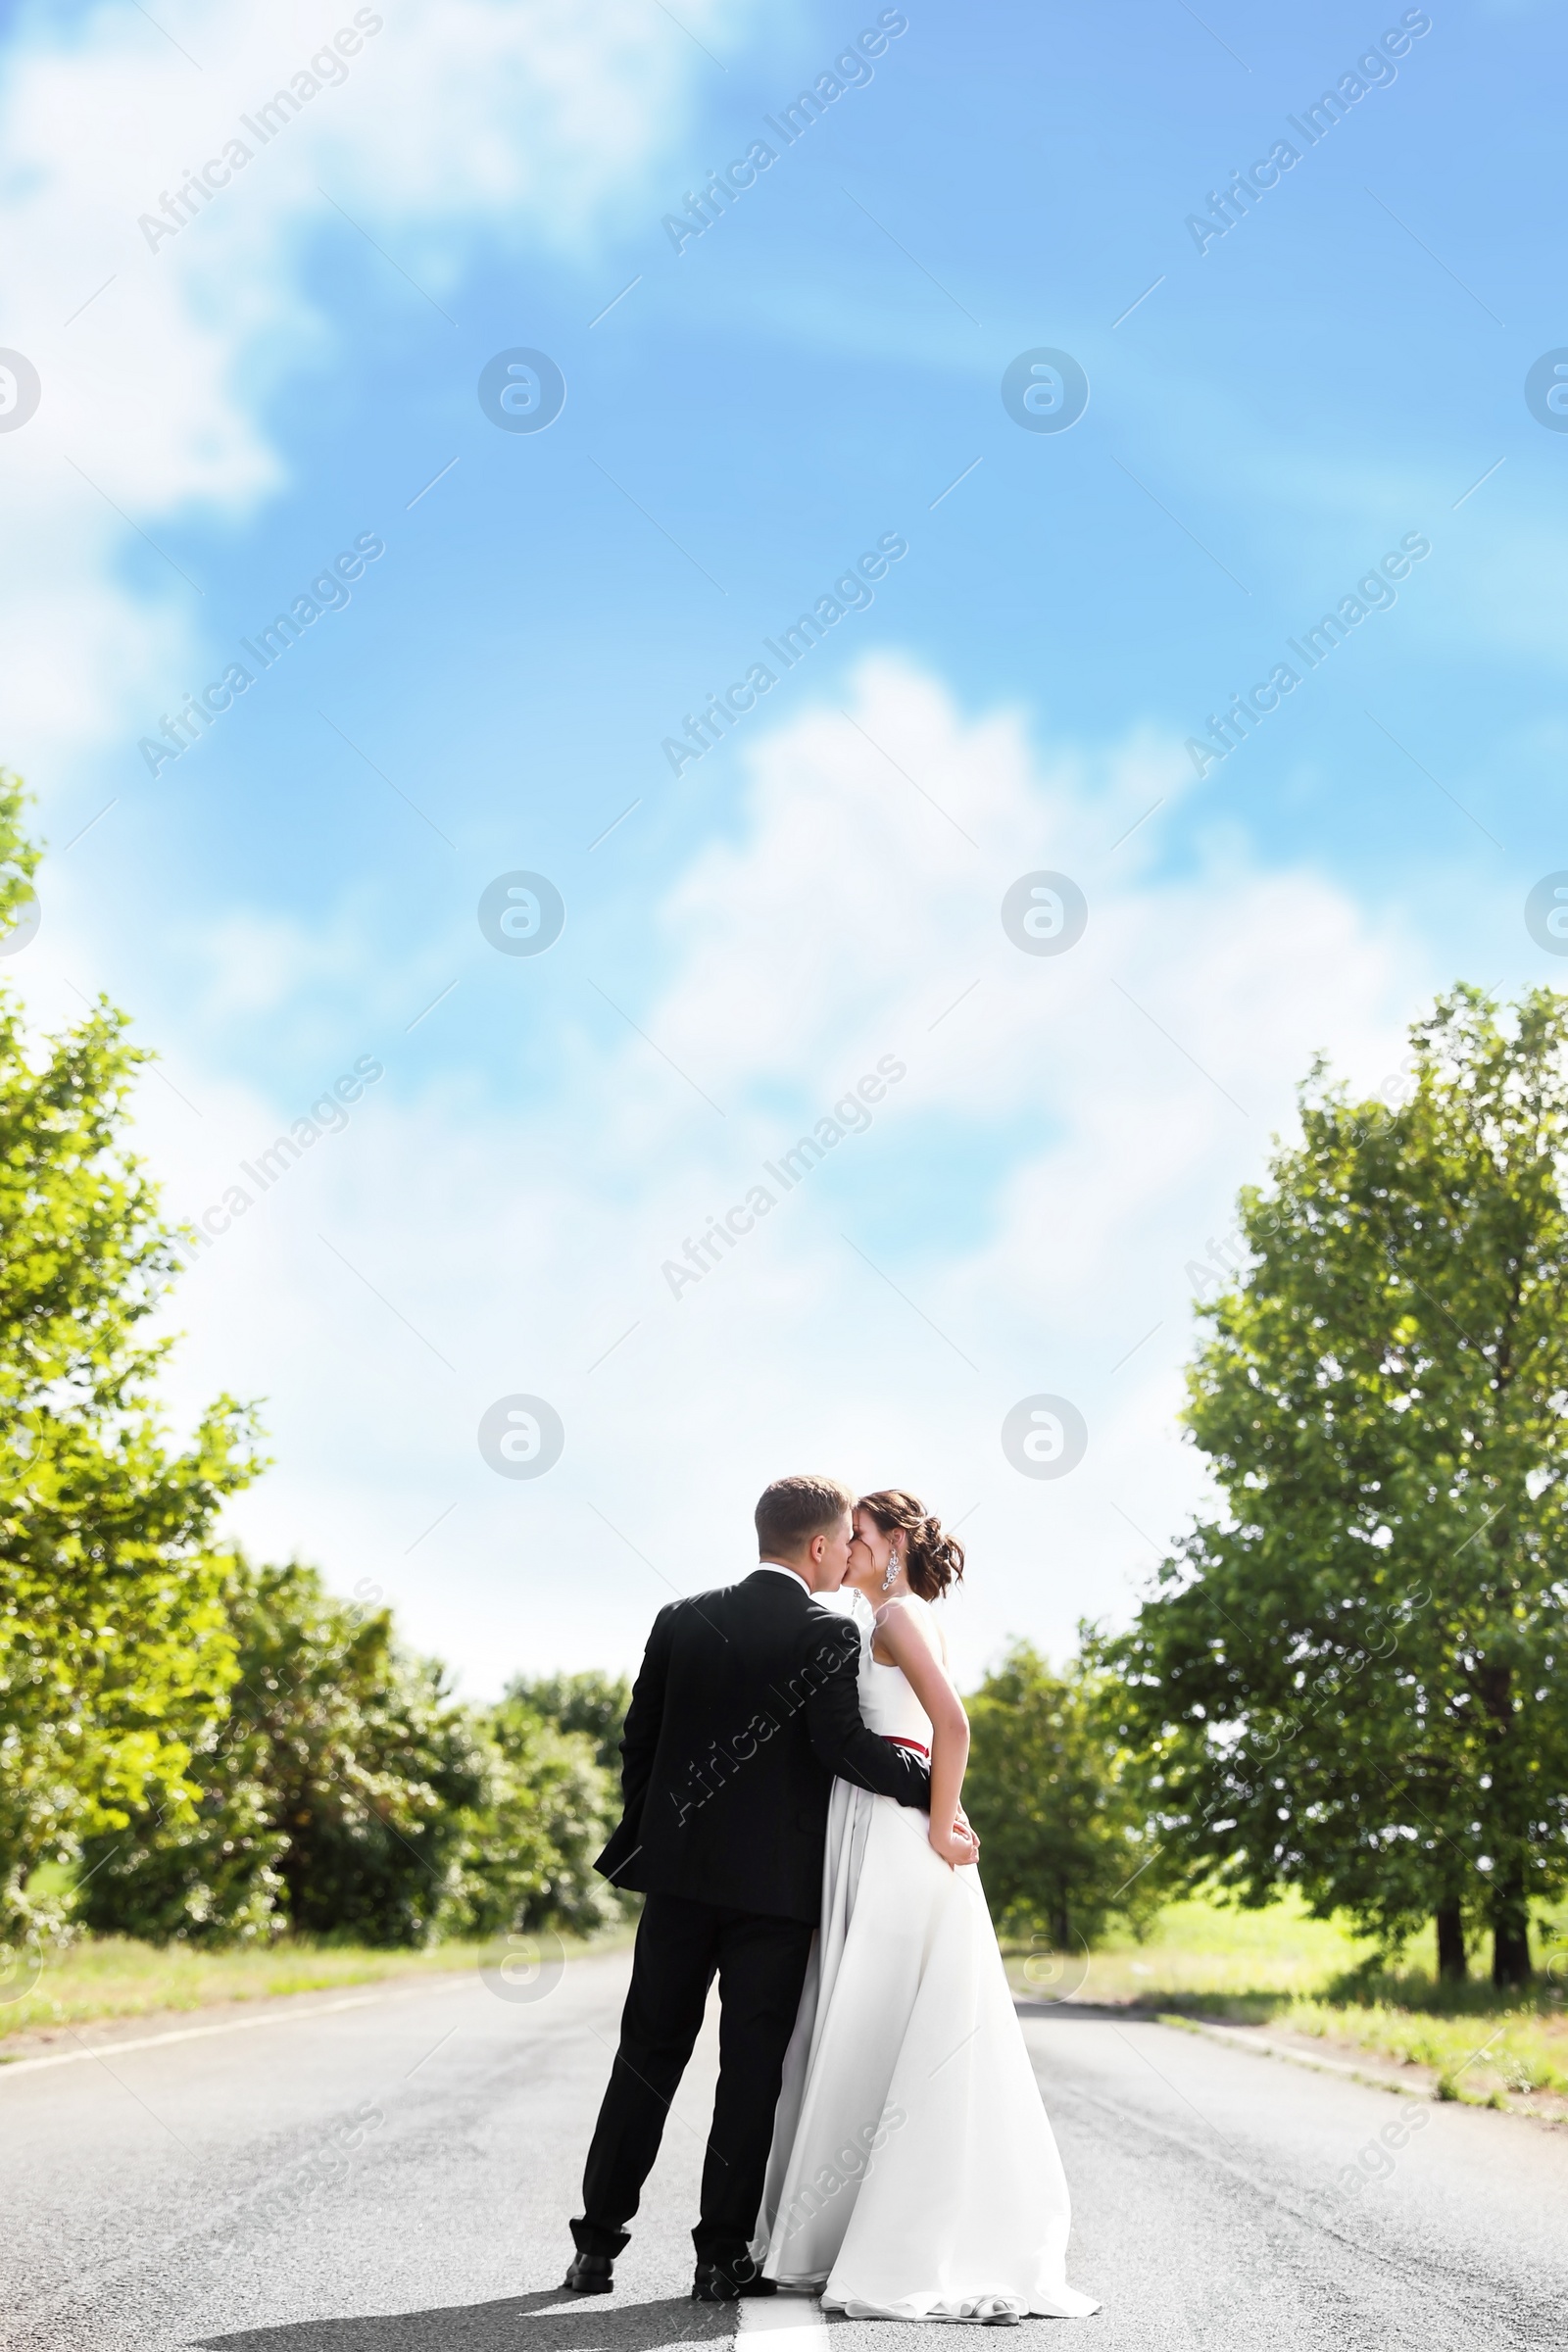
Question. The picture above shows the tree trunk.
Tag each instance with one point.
(1510, 1932)
(1508, 1808)
(1450, 1944)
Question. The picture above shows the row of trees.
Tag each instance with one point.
(1347, 1679)
(330, 1785)
(342, 1791)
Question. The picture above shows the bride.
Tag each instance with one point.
(913, 2173)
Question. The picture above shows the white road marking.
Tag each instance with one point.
(231, 2025)
(796, 2316)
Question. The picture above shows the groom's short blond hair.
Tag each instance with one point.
(792, 1510)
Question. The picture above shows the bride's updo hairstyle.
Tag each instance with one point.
(934, 1558)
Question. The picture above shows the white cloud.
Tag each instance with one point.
(528, 121)
(1043, 1173)
(1042, 1177)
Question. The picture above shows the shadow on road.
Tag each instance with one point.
(1074, 2013)
(594, 2323)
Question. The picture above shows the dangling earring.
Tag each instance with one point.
(891, 1576)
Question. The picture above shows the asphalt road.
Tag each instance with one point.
(395, 2176)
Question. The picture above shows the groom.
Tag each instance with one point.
(745, 1709)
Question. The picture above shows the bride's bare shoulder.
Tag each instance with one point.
(911, 1618)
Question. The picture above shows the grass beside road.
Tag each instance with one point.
(1311, 1977)
(112, 1977)
(1279, 1967)
(1515, 2050)
(1232, 1962)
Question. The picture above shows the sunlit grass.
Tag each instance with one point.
(1203, 1950)
(113, 1976)
(1517, 2049)
(1278, 1967)
(1282, 1967)
(1203, 1954)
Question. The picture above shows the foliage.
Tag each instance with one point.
(1061, 1836)
(113, 1647)
(1352, 1681)
(346, 1793)
(590, 1703)
(553, 1806)
(337, 1796)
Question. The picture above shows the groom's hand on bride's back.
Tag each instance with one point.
(829, 1679)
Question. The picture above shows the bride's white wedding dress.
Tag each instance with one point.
(913, 2173)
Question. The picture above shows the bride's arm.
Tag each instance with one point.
(900, 1632)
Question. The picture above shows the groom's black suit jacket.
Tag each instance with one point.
(744, 1711)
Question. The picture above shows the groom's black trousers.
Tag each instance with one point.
(759, 1961)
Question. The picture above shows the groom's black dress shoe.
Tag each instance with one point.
(727, 2282)
(591, 2275)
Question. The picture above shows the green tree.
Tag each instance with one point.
(1352, 1679)
(113, 1644)
(530, 1859)
(1062, 1836)
(337, 1796)
(590, 1703)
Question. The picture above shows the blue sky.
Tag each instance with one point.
(225, 409)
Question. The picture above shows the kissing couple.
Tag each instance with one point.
(791, 1772)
